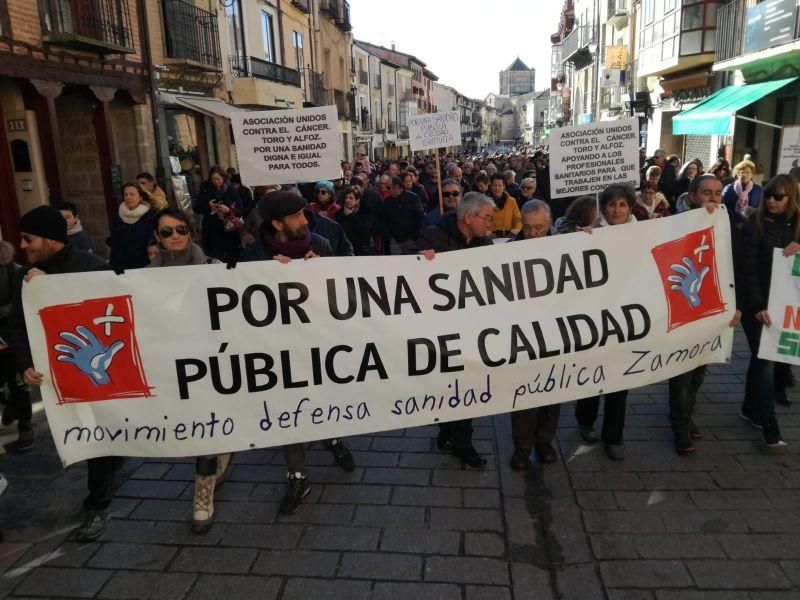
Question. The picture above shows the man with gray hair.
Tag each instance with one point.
(468, 226)
(534, 428)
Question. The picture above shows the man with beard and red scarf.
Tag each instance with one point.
(285, 236)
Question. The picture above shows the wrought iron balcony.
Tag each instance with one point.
(250, 66)
(575, 44)
(302, 5)
(331, 7)
(191, 34)
(315, 88)
(343, 22)
(735, 33)
(94, 25)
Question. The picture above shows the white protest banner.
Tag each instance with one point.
(790, 150)
(287, 146)
(434, 130)
(588, 158)
(781, 341)
(185, 361)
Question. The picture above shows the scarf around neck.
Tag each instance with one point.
(131, 216)
(191, 255)
(744, 194)
(77, 228)
(293, 248)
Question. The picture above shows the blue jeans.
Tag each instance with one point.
(759, 392)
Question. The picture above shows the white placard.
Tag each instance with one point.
(434, 130)
(585, 159)
(287, 146)
(186, 361)
(790, 150)
(781, 341)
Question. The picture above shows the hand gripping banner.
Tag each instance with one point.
(196, 360)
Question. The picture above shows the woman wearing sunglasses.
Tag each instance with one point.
(775, 224)
(176, 249)
(324, 200)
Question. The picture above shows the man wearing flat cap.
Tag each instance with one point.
(284, 236)
(43, 238)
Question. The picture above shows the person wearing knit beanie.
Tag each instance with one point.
(278, 205)
(45, 221)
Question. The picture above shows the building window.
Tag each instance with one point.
(268, 35)
(297, 44)
(233, 16)
(698, 27)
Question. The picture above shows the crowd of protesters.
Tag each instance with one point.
(409, 207)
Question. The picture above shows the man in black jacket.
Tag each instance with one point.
(43, 233)
(705, 191)
(468, 226)
(400, 219)
(285, 236)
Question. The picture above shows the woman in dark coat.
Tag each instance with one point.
(219, 202)
(775, 224)
(132, 229)
(357, 221)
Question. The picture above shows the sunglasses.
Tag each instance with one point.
(451, 194)
(776, 197)
(166, 232)
(323, 192)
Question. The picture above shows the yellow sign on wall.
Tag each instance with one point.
(616, 57)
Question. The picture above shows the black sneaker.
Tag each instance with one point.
(588, 434)
(342, 456)
(92, 526)
(25, 439)
(683, 440)
(772, 435)
(520, 460)
(9, 415)
(470, 457)
(694, 431)
(443, 442)
(296, 489)
(752, 420)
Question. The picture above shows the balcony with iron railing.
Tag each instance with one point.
(575, 44)
(617, 13)
(93, 25)
(330, 7)
(191, 35)
(250, 66)
(315, 88)
(303, 5)
(343, 22)
(733, 35)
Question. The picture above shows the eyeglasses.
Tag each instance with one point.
(323, 191)
(166, 232)
(776, 197)
(451, 194)
(486, 219)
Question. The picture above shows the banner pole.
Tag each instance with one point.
(439, 183)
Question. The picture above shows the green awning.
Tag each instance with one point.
(715, 115)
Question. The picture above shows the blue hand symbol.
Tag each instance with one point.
(688, 281)
(88, 354)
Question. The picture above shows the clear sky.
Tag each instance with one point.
(466, 43)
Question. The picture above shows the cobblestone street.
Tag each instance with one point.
(410, 523)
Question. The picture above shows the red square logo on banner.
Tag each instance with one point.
(93, 352)
(688, 270)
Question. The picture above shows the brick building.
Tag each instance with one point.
(74, 107)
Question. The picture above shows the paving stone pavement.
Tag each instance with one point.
(409, 523)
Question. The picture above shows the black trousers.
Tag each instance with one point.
(534, 426)
(458, 432)
(613, 414)
(18, 395)
(99, 480)
(683, 390)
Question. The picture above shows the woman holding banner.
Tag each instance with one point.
(775, 224)
(176, 249)
(616, 206)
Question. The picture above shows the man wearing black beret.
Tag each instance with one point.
(284, 236)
